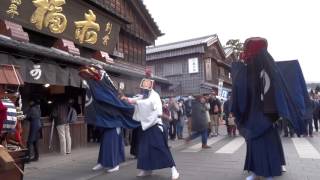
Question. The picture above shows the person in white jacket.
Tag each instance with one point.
(154, 152)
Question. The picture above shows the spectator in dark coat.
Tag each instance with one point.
(181, 119)
(174, 110)
(188, 106)
(199, 121)
(166, 116)
(59, 115)
(309, 116)
(33, 116)
(316, 111)
(226, 112)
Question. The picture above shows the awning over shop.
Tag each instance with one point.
(10, 75)
(68, 58)
(43, 72)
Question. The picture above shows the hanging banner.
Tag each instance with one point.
(75, 20)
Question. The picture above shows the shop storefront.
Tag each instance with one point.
(48, 45)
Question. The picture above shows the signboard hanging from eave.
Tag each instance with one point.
(74, 20)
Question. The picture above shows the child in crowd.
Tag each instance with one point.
(232, 125)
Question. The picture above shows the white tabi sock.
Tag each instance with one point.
(175, 174)
(97, 167)
(283, 168)
(114, 169)
(251, 177)
(144, 173)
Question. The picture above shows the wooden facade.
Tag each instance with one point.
(61, 56)
(172, 61)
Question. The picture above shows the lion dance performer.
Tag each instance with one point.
(262, 94)
(153, 150)
(106, 111)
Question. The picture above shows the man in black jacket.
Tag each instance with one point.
(316, 112)
(188, 105)
(226, 112)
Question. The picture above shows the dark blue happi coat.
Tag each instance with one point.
(104, 108)
(262, 94)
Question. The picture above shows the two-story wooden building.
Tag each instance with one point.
(194, 66)
(50, 40)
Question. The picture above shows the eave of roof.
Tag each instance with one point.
(224, 63)
(68, 58)
(228, 51)
(182, 44)
(110, 11)
(175, 52)
(150, 18)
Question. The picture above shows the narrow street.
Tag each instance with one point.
(224, 161)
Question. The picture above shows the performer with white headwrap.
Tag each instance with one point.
(153, 149)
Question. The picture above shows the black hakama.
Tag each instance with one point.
(136, 135)
(154, 152)
(111, 152)
(265, 154)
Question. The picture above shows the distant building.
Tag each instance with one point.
(194, 66)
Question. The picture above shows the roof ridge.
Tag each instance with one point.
(182, 41)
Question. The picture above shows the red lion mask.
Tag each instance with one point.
(252, 47)
(90, 72)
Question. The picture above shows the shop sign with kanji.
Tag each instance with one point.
(75, 20)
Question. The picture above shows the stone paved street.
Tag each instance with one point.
(224, 161)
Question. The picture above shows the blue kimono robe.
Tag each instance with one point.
(260, 96)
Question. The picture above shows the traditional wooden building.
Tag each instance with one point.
(50, 44)
(230, 55)
(194, 66)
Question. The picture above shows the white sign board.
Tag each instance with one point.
(193, 65)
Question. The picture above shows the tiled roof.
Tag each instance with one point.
(154, 25)
(228, 51)
(167, 54)
(182, 44)
(149, 16)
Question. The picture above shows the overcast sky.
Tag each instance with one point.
(292, 27)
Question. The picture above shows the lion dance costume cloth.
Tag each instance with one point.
(263, 91)
(106, 111)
